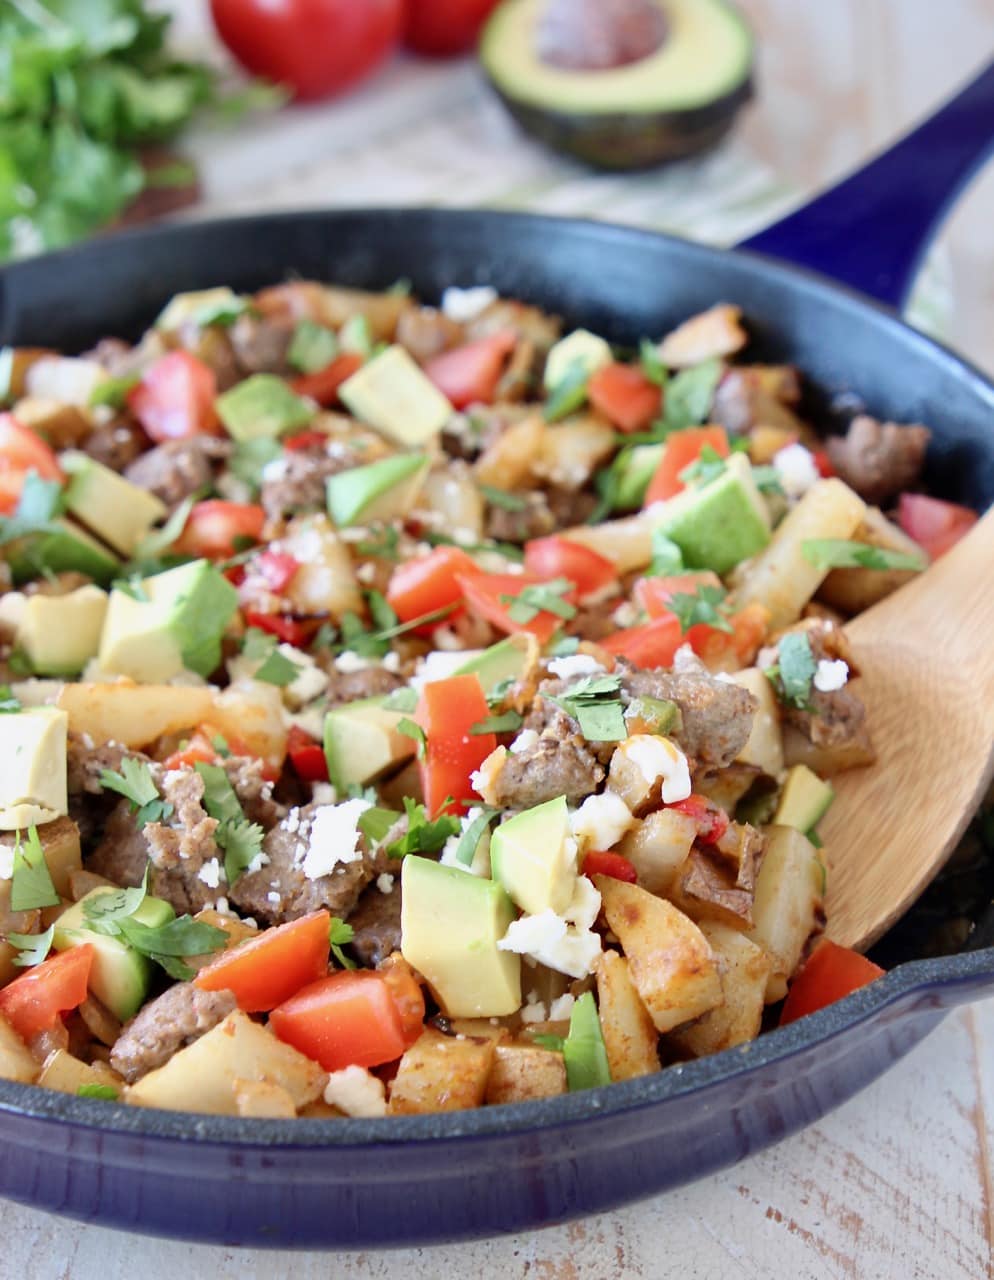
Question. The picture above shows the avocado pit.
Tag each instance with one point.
(599, 35)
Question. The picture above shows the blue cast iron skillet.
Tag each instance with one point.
(415, 1180)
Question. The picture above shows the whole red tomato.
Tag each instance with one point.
(442, 28)
(316, 47)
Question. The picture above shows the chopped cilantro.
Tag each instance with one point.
(794, 670)
(506, 501)
(401, 288)
(707, 605)
(31, 948)
(220, 744)
(37, 508)
(383, 546)
(277, 669)
(9, 702)
(541, 597)
(105, 1091)
(113, 391)
(841, 553)
(595, 703)
(160, 540)
(222, 312)
(240, 839)
(411, 729)
(312, 347)
(423, 835)
(652, 366)
(506, 549)
(103, 911)
(375, 823)
(340, 933)
(470, 839)
(767, 480)
(403, 699)
(136, 784)
(562, 646)
(499, 692)
(708, 466)
(569, 394)
(169, 943)
(381, 611)
(816, 840)
(354, 636)
(687, 402)
(508, 722)
(250, 457)
(258, 643)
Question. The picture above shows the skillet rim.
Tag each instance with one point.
(896, 989)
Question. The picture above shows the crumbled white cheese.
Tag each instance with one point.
(6, 862)
(258, 862)
(439, 665)
(310, 681)
(275, 470)
(357, 1092)
(273, 898)
(463, 305)
(384, 883)
(560, 1010)
(391, 662)
(658, 758)
(366, 573)
(525, 740)
(601, 821)
(323, 793)
(349, 663)
(830, 676)
(210, 873)
(334, 838)
(310, 719)
(584, 904)
(796, 469)
(485, 778)
(626, 615)
(534, 1010)
(576, 664)
(548, 939)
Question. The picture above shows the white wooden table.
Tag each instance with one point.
(897, 1184)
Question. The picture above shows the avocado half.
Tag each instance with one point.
(676, 102)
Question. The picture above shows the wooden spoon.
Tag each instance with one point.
(926, 656)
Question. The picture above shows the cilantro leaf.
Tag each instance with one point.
(32, 948)
(31, 883)
(113, 391)
(506, 549)
(794, 671)
(9, 702)
(841, 553)
(340, 933)
(505, 501)
(402, 699)
(470, 839)
(411, 729)
(223, 313)
(376, 644)
(569, 394)
(689, 394)
(706, 605)
(105, 1091)
(595, 703)
(375, 823)
(708, 466)
(181, 937)
(382, 613)
(423, 835)
(561, 646)
(159, 540)
(383, 546)
(240, 839)
(540, 597)
(767, 480)
(103, 911)
(652, 366)
(136, 784)
(508, 722)
(277, 669)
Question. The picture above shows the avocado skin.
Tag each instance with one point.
(626, 141)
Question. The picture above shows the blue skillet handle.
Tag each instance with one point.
(871, 230)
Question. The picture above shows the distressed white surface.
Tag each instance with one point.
(897, 1184)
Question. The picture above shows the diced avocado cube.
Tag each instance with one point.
(578, 349)
(57, 634)
(804, 800)
(66, 548)
(173, 621)
(510, 659)
(584, 1051)
(533, 855)
(33, 768)
(116, 510)
(201, 307)
(392, 394)
(355, 336)
(637, 470)
(262, 406)
(719, 524)
(383, 490)
(120, 976)
(450, 925)
(361, 742)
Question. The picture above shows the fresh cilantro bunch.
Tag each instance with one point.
(83, 83)
(794, 671)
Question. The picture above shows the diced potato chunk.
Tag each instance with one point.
(715, 332)
(264, 1099)
(853, 590)
(325, 581)
(68, 1074)
(744, 969)
(442, 1073)
(627, 542)
(508, 462)
(203, 1076)
(669, 959)
(630, 1037)
(787, 905)
(252, 712)
(658, 847)
(705, 889)
(16, 1063)
(573, 450)
(62, 425)
(523, 1072)
(828, 758)
(133, 714)
(452, 493)
(764, 747)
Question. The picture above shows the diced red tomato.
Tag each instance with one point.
(21, 451)
(198, 750)
(712, 644)
(346, 1019)
(682, 449)
(269, 969)
(447, 711)
(484, 592)
(407, 995)
(305, 440)
(653, 644)
(36, 1000)
(625, 396)
(214, 525)
(428, 583)
(323, 385)
(306, 756)
(278, 568)
(711, 819)
(615, 865)
(470, 374)
(655, 594)
(823, 463)
(828, 974)
(289, 630)
(934, 524)
(175, 398)
(556, 557)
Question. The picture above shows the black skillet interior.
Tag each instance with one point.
(620, 282)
